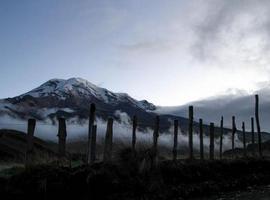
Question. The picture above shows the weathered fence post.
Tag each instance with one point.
(93, 143)
(201, 139)
(30, 143)
(134, 128)
(252, 136)
(233, 134)
(221, 139)
(258, 124)
(62, 134)
(108, 141)
(155, 141)
(90, 127)
(175, 140)
(190, 132)
(212, 142)
(244, 139)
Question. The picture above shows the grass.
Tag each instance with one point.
(7, 171)
(134, 175)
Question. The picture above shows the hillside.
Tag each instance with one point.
(13, 145)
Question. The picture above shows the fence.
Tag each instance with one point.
(108, 143)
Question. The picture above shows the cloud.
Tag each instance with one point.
(233, 32)
(122, 132)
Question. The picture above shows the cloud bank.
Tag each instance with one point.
(122, 132)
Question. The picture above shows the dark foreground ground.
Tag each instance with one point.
(251, 193)
(133, 177)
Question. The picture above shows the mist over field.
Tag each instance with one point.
(77, 130)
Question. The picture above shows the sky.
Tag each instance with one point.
(168, 52)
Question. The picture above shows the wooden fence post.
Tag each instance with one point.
(201, 139)
(221, 139)
(175, 140)
(93, 143)
(90, 127)
(258, 124)
(155, 141)
(252, 136)
(30, 143)
(190, 132)
(62, 134)
(244, 139)
(233, 134)
(212, 142)
(108, 141)
(134, 128)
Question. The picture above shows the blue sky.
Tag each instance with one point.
(168, 52)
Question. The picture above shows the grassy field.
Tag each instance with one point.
(134, 176)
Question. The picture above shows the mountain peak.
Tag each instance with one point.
(80, 81)
(71, 81)
(64, 88)
(70, 98)
(76, 90)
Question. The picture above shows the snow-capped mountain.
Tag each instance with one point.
(81, 88)
(72, 98)
(69, 97)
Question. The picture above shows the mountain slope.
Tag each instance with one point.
(13, 145)
(70, 98)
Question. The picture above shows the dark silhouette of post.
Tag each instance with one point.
(175, 140)
(134, 128)
(62, 134)
(90, 128)
(212, 142)
(201, 139)
(190, 132)
(30, 143)
(155, 141)
(258, 124)
(244, 139)
(108, 141)
(221, 139)
(233, 134)
(252, 136)
(93, 143)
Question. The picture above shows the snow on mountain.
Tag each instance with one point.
(72, 97)
(74, 86)
(80, 87)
